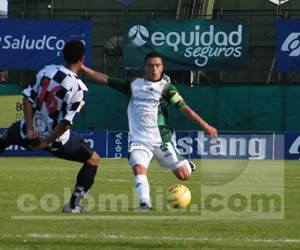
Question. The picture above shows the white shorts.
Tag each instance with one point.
(166, 154)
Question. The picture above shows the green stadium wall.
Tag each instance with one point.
(229, 108)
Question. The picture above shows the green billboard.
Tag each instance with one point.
(197, 44)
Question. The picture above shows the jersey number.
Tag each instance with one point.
(48, 96)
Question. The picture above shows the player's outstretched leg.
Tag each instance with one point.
(85, 180)
(142, 188)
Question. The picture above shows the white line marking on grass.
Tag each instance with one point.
(110, 217)
(128, 237)
(114, 180)
(103, 217)
(67, 178)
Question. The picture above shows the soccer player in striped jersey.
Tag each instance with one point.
(149, 132)
(51, 102)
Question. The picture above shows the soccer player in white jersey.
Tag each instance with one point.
(149, 132)
(51, 102)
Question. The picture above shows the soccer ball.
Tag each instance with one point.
(179, 196)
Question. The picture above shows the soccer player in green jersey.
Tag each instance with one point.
(149, 132)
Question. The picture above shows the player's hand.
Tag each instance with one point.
(38, 144)
(211, 131)
(33, 139)
(31, 134)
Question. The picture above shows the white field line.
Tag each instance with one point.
(103, 217)
(114, 217)
(70, 178)
(127, 237)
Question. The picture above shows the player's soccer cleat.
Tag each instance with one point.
(143, 207)
(193, 166)
(76, 210)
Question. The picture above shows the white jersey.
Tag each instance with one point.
(143, 110)
(57, 94)
(148, 108)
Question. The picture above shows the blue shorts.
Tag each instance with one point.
(75, 149)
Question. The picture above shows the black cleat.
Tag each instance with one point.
(193, 166)
(143, 207)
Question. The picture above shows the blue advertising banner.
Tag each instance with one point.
(229, 145)
(194, 144)
(197, 44)
(97, 139)
(32, 44)
(185, 143)
(117, 146)
(292, 146)
(287, 45)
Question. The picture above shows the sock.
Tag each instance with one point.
(188, 166)
(85, 180)
(77, 195)
(143, 189)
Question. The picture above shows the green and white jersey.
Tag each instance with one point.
(148, 108)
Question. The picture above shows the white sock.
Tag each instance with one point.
(188, 166)
(143, 189)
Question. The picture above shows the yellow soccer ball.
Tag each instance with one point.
(179, 196)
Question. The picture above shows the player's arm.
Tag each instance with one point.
(29, 95)
(173, 96)
(119, 84)
(58, 131)
(192, 115)
(96, 76)
(28, 116)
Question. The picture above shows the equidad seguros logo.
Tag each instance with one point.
(137, 35)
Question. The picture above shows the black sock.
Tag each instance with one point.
(85, 180)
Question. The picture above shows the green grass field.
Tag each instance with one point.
(33, 191)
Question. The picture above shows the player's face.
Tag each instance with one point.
(153, 68)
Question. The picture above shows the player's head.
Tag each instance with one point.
(74, 51)
(153, 66)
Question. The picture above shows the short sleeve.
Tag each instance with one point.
(120, 84)
(31, 92)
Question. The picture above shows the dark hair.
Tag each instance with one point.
(151, 55)
(73, 51)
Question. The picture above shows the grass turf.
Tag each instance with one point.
(33, 191)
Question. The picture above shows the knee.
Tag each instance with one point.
(94, 160)
(139, 170)
(182, 173)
